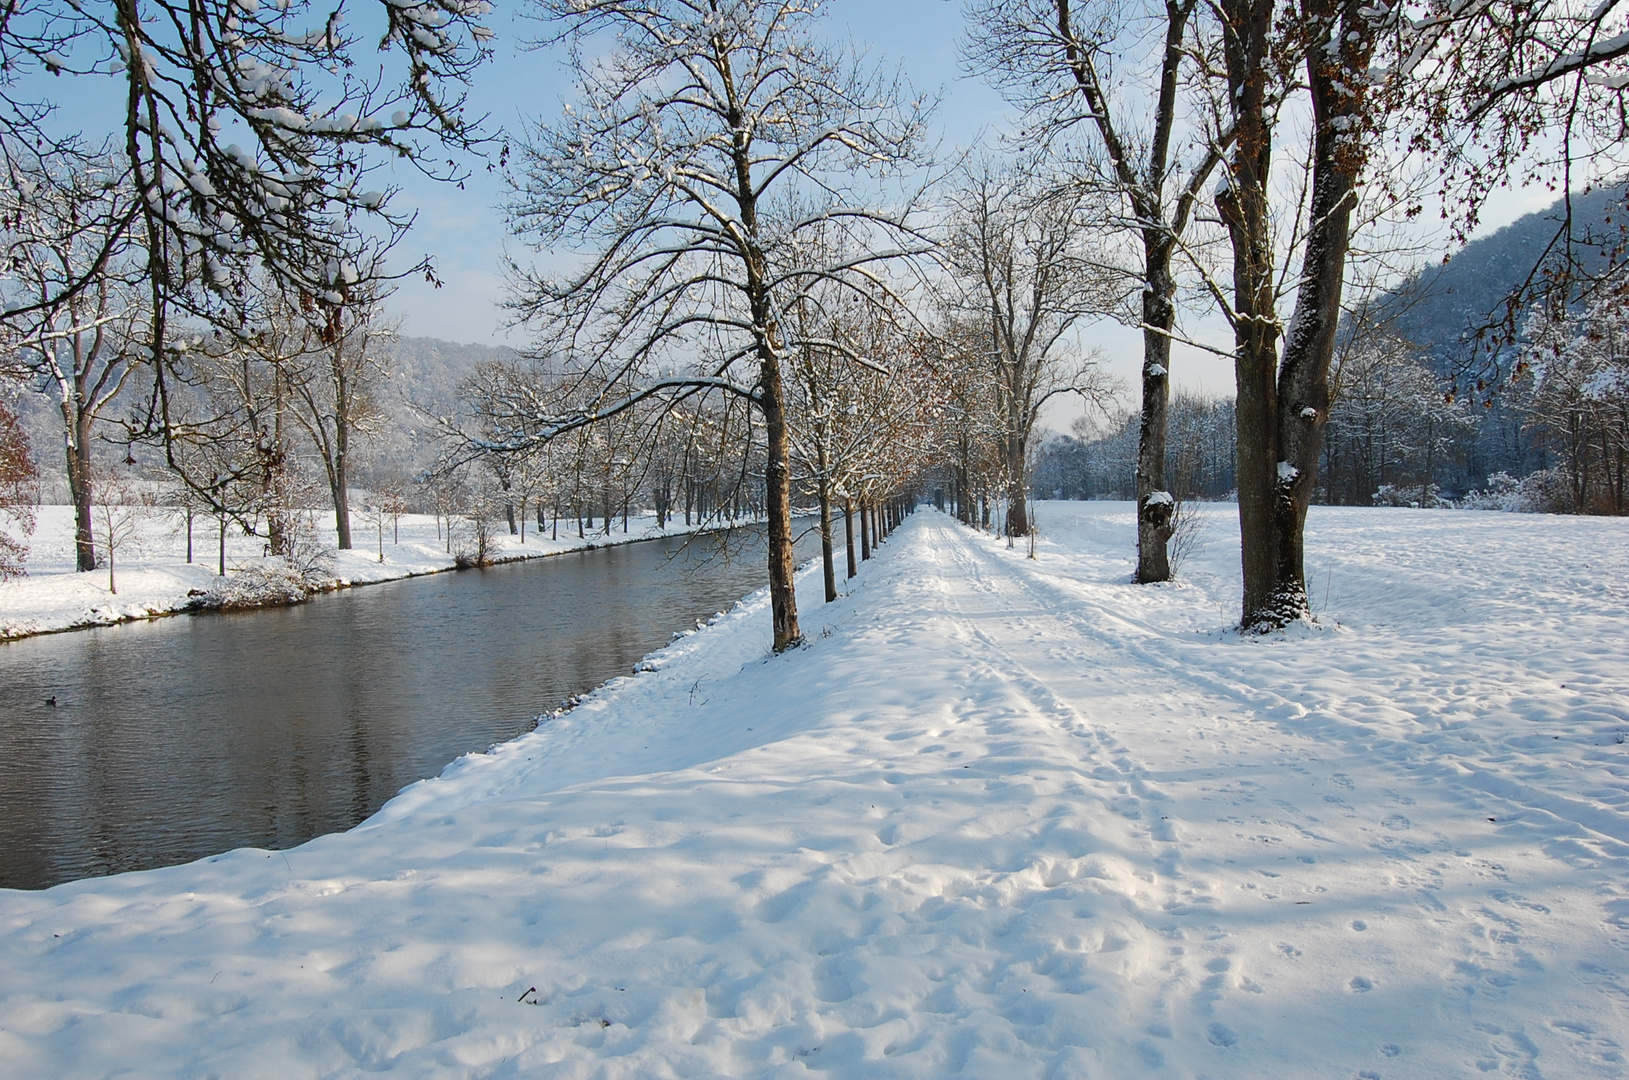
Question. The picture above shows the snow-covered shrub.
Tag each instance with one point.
(1420, 496)
(1189, 535)
(17, 497)
(266, 583)
(476, 542)
(307, 554)
(1503, 493)
(1548, 491)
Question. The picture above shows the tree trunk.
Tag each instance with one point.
(1017, 494)
(79, 486)
(848, 531)
(1154, 509)
(783, 599)
(865, 531)
(342, 505)
(1339, 95)
(828, 567)
(1242, 203)
(1282, 410)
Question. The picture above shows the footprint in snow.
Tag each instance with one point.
(1220, 1035)
(1360, 985)
(1397, 823)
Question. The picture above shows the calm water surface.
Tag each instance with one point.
(189, 736)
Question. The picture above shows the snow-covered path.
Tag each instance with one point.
(1001, 818)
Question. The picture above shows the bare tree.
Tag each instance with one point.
(1065, 63)
(704, 146)
(232, 436)
(333, 382)
(122, 513)
(246, 128)
(1578, 362)
(1020, 280)
(1362, 67)
(1391, 425)
(846, 416)
(70, 267)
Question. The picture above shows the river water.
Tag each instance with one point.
(189, 736)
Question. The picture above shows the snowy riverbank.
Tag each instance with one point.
(1000, 818)
(154, 578)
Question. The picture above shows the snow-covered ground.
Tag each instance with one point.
(1001, 818)
(153, 576)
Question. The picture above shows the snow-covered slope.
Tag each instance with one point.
(1001, 818)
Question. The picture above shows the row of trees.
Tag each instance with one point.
(1396, 432)
(207, 197)
(238, 415)
(755, 233)
(708, 215)
(1217, 89)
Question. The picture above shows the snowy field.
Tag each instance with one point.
(1000, 818)
(153, 577)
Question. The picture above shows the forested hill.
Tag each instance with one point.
(1441, 307)
(428, 371)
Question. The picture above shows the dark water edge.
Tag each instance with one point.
(184, 737)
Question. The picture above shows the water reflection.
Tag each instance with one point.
(189, 736)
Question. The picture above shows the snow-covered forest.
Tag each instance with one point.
(1153, 763)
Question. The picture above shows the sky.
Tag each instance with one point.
(463, 230)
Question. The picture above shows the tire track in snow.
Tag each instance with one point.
(1603, 825)
(1105, 760)
(1421, 869)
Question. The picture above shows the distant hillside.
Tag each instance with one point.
(1441, 308)
(428, 371)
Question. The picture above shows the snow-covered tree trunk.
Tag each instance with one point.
(1065, 63)
(1154, 506)
(76, 443)
(1284, 405)
(1242, 200)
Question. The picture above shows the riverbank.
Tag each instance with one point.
(154, 577)
(999, 818)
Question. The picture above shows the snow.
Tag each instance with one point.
(1159, 498)
(1001, 817)
(154, 578)
(1287, 472)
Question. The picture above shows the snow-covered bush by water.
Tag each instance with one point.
(266, 583)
